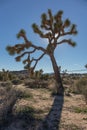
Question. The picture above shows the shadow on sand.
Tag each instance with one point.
(52, 120)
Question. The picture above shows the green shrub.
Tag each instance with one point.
(26, 113)
(6, 85)
(66, 82)
(44, 76)
(8, 103)
(80, 110)
(81, 87)
(36, 84)
(16, 81)
(1, 77)
(26, 94)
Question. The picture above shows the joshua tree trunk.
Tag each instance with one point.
(59, 86)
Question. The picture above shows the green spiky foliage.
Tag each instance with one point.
(53, 28)
(86, 66)
(21, 33)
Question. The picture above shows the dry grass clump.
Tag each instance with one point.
(80, 110)
(81, 87)
(8, 99)
(25, 94)
(25, 113)
(36, 83)
(16, 81)
(7, 85)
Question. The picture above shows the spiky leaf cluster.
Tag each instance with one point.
(72, 43)
(67, 23)
(18, 58)
(73, 29)
(26, 67)
(54, 24)
(18, 48)
(36, 29)
(86, 66)
(11, 50)
(25, 61)
(21, 33)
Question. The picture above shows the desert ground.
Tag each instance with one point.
(38, 108)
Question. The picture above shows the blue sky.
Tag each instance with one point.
(18, 14)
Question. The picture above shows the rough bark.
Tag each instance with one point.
(60, 88)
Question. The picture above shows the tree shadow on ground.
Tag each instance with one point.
(27, 121)
(52, 120)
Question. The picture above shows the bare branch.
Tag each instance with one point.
(69, 41)
(29, 44)
(30, 60)
(38, 48)
(27, 52)
(36, 60)
(68, 33)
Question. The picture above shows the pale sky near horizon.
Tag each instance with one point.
(18, 14)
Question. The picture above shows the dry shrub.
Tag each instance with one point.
(6, 85)
(16, 81)
(25, 112)
(36, 83)
(9, 100)
(81, 87)
(51, 84)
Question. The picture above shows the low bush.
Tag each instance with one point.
(25, 113)
(6, 85)
(6, 107)
(66, 82)
(16, 81)
(26, 94)
(36, 84)
(81, 88)
(44, 77)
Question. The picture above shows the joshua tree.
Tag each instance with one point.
(38, 73)
(55, 30)
(5, 74)
(86, 66)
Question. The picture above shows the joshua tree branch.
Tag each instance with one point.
(69, 41)
(28, 52)
(32, 45)
(68, 33)
(30, 60)
(36, 60)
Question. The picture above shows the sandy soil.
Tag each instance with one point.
(51, 112)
